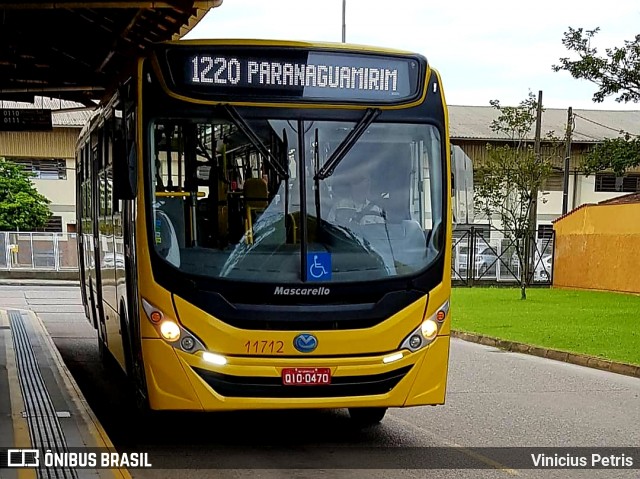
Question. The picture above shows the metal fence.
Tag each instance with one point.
(37, 251)
(478, 256)
(482, 256)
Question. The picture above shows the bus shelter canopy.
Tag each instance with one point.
(79, 50)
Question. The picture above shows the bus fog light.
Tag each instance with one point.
(429, 329)
(214, 358)
(170, 330)
(415, 341)
(392, 358)
(187, 343)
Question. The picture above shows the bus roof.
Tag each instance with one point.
(290, 43)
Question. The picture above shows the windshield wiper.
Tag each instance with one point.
(246, 129)
(350, 140)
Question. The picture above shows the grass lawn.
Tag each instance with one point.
(588, 322)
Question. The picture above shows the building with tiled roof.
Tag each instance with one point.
(589, 126)
(49, 154)
(470, 129)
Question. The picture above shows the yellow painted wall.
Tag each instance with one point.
(598, 247)
(57, 143)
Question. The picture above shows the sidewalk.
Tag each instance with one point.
(38, 282)
(42, 406)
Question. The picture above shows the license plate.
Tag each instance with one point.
(306, 376)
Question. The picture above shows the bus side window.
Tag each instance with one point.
(123, 145)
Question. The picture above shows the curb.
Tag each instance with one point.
(39, 282)
(555, 354)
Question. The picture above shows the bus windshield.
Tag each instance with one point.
(250, 205)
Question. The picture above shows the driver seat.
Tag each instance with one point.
(166, 240)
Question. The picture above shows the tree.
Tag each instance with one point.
(617, 154)
(22, 208)
(511, 176)
(617, 73)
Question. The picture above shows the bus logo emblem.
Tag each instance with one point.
(305, 343)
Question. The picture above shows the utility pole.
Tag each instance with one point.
(344, 21)
(567, 157)
(533, 211)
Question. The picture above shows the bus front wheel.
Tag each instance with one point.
(367, 416)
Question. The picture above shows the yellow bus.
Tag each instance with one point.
(266, 225)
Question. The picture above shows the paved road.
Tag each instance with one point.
(495, 399)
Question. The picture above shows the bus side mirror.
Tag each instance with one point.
(125, 169)
(462, 186)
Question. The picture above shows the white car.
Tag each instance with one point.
(543, 268)
(485, 258)
(110, 260)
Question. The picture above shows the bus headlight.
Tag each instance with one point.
(427, 331)
(171, 330)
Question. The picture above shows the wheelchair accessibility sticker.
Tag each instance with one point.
(318, 266)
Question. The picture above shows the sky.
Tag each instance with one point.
(484, 50)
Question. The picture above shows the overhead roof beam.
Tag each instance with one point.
(184, 6)
(53, 89)
(105, 4)
(94, 19)
(40, 48)
(122, 36)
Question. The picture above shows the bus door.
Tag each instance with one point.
(96, 200)
(81, 201)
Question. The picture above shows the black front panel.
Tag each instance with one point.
(292, 317)
(272, 387)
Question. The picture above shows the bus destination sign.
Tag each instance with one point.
(25, 119)
(296, 75)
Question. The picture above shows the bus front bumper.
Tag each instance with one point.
(180, 381)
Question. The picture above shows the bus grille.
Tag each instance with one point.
(272, 387)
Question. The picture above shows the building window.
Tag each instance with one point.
(476, 180)
(545, 231)
(54, 169)
(621, 184)
(54, 225)
(481, 229)
(554, 182)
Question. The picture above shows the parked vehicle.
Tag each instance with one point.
(110, 260)
(543, 268)
(485, 260)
